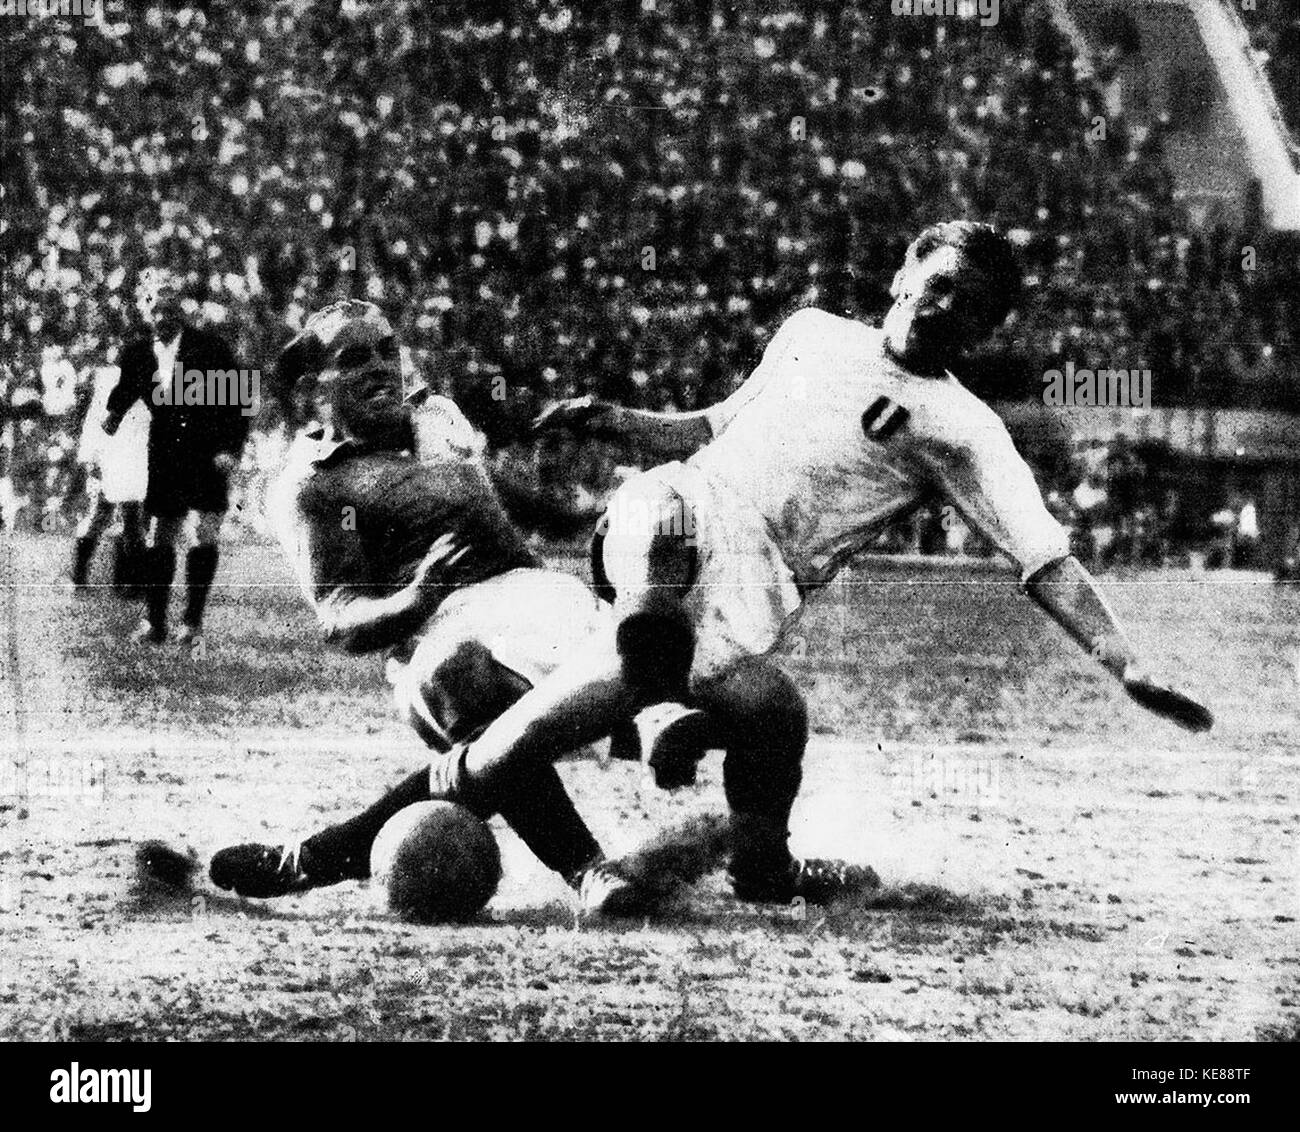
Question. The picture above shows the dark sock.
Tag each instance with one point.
(200, 569)
(158, 586)
(656, 650)
(132, 524)
(130, 554)
(130, 565)
(342, 852)
(759, 848)
(83, 551)
(540, 811)
(625, 742)
(530, 795)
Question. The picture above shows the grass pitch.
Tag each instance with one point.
(1055, 863)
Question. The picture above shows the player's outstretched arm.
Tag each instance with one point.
(1069, 595)
(977, 466)
(679, 434)
(665, 434)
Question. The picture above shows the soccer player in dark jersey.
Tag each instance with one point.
(401, 544)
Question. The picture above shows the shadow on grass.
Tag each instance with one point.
(156, 902)
(1287, 1030)
(924, 900)
(714, 907)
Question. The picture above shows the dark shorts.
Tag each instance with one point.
(177, 487)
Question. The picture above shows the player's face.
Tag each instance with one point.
(363, 378)
(935, 317)
(160, 306)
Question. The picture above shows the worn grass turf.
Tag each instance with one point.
(1055, 864)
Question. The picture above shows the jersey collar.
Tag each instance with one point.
(323, 443)
(326, 444)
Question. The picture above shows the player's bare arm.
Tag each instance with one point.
(940, 308)
(1070, 596)
(663, 434)
(670, 435)
(360, 623)
(995, 491)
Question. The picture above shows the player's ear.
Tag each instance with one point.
(298, 362)
(303, 355)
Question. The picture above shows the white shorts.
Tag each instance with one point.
(123, 458)
(743, 597)
(530, 620)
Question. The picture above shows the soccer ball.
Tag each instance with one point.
(439, 861)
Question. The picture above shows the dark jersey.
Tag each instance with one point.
(396, 507)
(184, 438)
(357, 522)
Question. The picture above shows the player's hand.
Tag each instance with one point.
(441, 556)
(583, 413)
(1174, 706)
(224, 462)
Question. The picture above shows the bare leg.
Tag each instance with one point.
(650, 564)
(97, 520)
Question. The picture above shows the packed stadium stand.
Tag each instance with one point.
(623, 198)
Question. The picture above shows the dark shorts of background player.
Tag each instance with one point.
(177, 488)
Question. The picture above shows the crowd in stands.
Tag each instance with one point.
(1124, 504)
(551, 199)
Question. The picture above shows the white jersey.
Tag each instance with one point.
(442, 432)
(830, 439)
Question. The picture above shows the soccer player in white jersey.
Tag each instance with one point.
(841, 429)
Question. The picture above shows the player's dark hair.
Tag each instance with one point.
(304, 355)
(987, 250)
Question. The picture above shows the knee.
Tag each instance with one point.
(465, 688)
(647, 542)
(656, 645)
(763, 723)
(758, 707)
(208, 529)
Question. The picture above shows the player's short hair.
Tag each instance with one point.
(987, 250)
